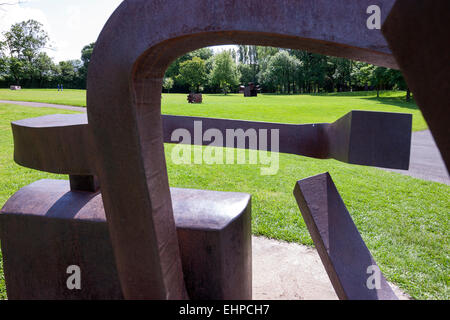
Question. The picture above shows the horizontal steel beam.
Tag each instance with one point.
(60, 143)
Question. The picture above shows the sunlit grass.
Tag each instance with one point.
(403, 220)
(266, 107)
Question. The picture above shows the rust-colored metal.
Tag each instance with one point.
(418, 32)
(340, 246)
(195, 98)
(59, 228)
(122, 144)
(251, 90)
(136, 46)
(359, 137)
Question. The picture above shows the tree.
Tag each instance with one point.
(23, 42)
(44, 68)
(193, 72)
(224, 73)
(86, 54)
(173, 70)
(249, 63)
(168, 84)
(380, 78)
(68, 73)
(363, 74)
(246, 73)
(343, 73)
(281, 71)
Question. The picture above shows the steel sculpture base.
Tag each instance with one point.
(59, 228)
(341, 248)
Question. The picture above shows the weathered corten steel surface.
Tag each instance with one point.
(59, 228)
(55, 143)
(418, 32)
(88, 183)
(360, 137)
(133, 51)
(338, 242)
(195, 98)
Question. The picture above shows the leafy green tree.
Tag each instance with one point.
(380, 78)
(343, 73)
(86, 54)
(248, 63)
(68, 73)
(44, 68)
(23, 42)
(193, 72)
(173, 70)
(16, 69)
(246, 73)
(363, 74)
(224, 73)
(282, 71)
(168, 84)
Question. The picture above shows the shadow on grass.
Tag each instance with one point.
(395, 101)
(393, 98)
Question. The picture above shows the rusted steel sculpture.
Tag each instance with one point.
(426, 66)
(251, 90)
(195, 98)
(59, 227)
(340, 246)
(121, 147)
(360, 137)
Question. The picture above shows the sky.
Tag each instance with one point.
(70, 24)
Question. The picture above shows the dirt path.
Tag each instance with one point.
(289, 271)
(44, 105)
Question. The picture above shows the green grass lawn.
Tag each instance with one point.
(403, 220)
(270, 108)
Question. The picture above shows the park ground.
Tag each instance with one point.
(403, 220)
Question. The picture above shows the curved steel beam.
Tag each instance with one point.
(133, 51)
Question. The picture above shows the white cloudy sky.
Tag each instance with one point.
(71, 24)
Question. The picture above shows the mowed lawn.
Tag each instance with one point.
(270, 108)
(403, 220)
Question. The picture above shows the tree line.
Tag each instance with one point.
(24, 62)
(276, 70)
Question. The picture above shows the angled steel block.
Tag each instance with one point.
(418, 33)
(59, 228)
(378, 139)
(341, 248)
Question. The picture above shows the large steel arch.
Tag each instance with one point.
(136, 46)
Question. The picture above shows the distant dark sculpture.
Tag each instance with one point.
(195, 98)
(251, 90)
(118, 218)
